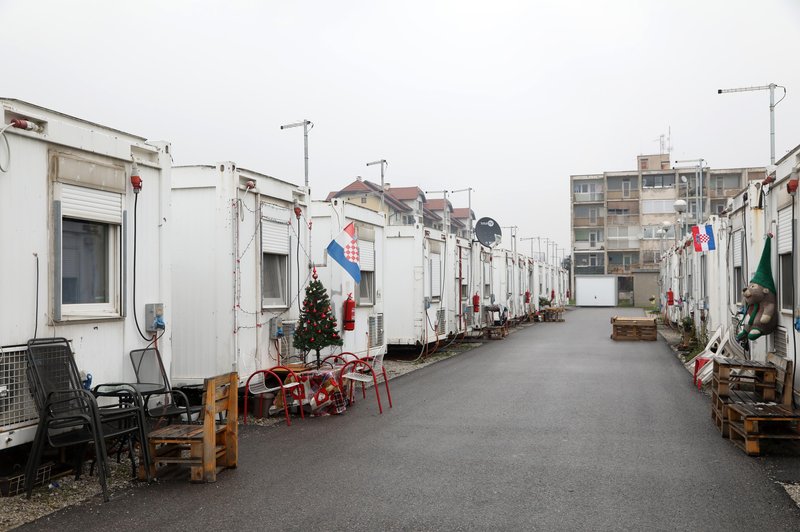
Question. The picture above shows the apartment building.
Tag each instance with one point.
(622, 221)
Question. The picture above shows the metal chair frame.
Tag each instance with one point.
(70, 415)
(260, 387)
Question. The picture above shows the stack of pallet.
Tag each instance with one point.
(739, 381)
(627, 328)
(752, 401)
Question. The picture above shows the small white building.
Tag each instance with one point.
(241, 262)
(329, 219)
(71, 228)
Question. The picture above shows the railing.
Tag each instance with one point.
(589, 270)
(623, 243)
(623, 268)
(581, 197)
(623, 219)
(586, 221)
(586, 245)
(716, 193)
(622, 195)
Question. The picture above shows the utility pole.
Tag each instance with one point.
(306, 129)
(468, 190)
(772, 103)
(383, 164)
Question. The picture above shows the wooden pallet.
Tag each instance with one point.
(719, 407)
(627, 328)
(751, 423)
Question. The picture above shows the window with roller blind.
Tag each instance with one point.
(365, 291)
(88, 236)
(786, 279)
(275, 247)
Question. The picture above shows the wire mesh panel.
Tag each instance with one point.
(441, 321)
(16, 403)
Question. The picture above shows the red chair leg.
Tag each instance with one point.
(386, 383)
(363, 391)
(377, 393)
(286, 408)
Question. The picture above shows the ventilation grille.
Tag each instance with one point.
(441, 321)
(375, 330)
(16, 403)
(781, 342)
(288, 335)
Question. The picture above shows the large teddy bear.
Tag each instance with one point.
(761, 316)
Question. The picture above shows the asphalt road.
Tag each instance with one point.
(554, 428)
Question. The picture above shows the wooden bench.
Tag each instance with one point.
(206, 448)
(751, 422)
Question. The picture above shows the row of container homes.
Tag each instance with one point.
(707, 286)
(100, 235)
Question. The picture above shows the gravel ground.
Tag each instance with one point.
(66, 491)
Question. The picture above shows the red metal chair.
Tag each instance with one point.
(359, 370)
(257, 384)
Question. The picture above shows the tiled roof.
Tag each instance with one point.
(359, 187)
(463, 213)
(405, 193)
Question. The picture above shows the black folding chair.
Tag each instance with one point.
(160, 400)
(71, 416)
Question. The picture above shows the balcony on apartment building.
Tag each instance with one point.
(588, 245)
(622, 194)
(588, 197)
(589, 270)
(583, 216)
(623, 262)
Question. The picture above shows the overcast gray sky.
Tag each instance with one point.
(508, 97)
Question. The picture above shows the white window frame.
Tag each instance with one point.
(272, 217)
(365, 290)
(92, 188)
(281, 301)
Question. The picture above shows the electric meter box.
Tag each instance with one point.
(153, 317)
(275, 328)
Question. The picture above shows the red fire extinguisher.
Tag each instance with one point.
(670, 298)
(476, 303)
(527, 296)
(349, 318)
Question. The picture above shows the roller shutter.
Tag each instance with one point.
(90, 204)
(785, 231)
(274, 229)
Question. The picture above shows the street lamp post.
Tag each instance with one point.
(383, 164)
(700, 200)
(306, 129)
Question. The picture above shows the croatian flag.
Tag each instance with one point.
(703, 238)
(344, 250)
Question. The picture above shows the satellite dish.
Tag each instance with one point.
(488, 232)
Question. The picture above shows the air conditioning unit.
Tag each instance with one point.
(441, 321)
(375, 324)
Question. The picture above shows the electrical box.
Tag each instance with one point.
(154, 317)
(275, 327)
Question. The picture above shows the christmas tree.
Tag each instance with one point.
(317, 326)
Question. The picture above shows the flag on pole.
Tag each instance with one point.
(344, 250)
(703, 238)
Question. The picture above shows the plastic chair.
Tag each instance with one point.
(257, 385)
(151, 380)
(69, 415)
(362, 371)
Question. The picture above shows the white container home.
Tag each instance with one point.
(460, 272)
(241, 262)
(329, 219)
(70, 222)
(416, 294)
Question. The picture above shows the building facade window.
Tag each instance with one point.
(275, 249)
(274, 280)
(88, 238)
(658, 181)
(365, 291)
